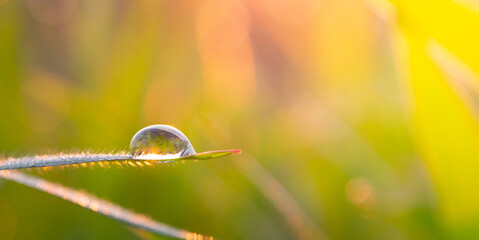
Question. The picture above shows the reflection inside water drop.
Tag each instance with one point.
(158, 142)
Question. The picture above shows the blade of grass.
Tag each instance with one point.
(100, 206)
(84, 157)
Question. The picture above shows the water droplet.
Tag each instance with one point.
(157, 142)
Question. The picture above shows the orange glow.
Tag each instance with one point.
(227, 59)
(360, 193)
(196, 236)
(119, 164)
(223, 24)
(291, 11)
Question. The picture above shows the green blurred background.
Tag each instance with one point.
(358, 119)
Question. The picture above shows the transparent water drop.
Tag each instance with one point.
(157, 142)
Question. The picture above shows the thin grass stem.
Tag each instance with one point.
(298, 221)
(100, 206)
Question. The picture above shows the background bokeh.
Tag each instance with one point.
(357, 118)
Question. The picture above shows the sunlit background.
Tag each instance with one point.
(357, 118)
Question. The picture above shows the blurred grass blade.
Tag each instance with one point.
(459, 36)
(100, 206)
(461, 76)
(446, 126)
(300, 224)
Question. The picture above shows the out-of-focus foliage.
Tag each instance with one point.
(364, 111)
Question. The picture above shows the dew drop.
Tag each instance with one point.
(157, 142)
